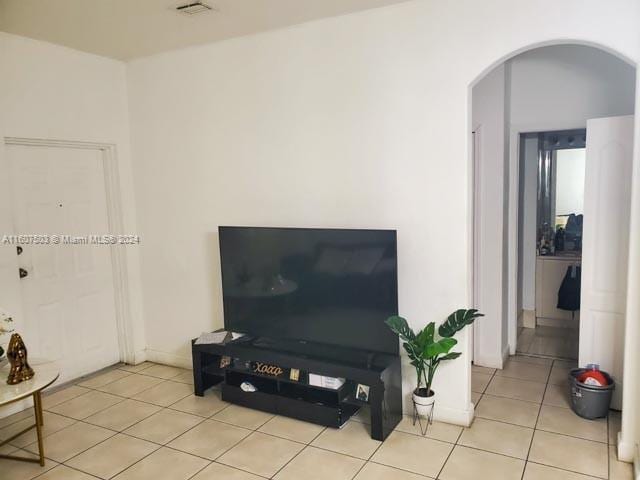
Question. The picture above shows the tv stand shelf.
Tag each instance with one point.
(299, 399)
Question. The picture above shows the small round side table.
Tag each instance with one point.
(45, 374)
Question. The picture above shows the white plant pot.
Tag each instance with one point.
(424, 405)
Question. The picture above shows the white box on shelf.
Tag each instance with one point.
(333, 383)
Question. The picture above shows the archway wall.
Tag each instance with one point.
(547, 88)
(547, 24)
(356, 121)
(625, 46)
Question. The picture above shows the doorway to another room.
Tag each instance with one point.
(550, 219)
(553, 139)
(552, 160)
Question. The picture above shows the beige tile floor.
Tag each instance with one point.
(549, 341)
(143, 422)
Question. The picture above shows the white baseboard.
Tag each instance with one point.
(454, 416)
(494, 362)
(491, 361)
(558, 323)
(166, 358)
(505, 355)
(529, 318)
(443, 413)
(139, 357)
(627, 450)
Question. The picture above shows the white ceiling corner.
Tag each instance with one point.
(126, 29)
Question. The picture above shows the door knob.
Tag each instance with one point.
(23, 272)
(19, 249)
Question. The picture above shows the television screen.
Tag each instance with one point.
(331, 286)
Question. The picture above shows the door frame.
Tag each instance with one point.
(475, 207)
(513, 210)
(122, 300)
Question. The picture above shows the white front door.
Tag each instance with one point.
(607, 201)
(68, 292)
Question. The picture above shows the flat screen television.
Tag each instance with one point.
(327, 286)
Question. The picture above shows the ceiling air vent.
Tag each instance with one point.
(192, 8)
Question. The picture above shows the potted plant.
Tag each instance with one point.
(426, 350)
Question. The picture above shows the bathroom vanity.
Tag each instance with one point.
(550, 271)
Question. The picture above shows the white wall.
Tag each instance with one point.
(489, 120)
(570, 181)
(528, 214)
(317, 125)
(547, 88)
(628, 438)
(568, 84)
(51, 92)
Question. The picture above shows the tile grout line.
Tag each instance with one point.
(493, 375)
(159, 445)
(232, 447)
(444, 464)
(344, 454)
(136, 393)
(256, 430)
(119, 472)
(535, 425)
(541, 429)
(305, 445)
(372, 453)
(76, 421)
(478, 449)
(196, 473)
(46, 409)
(39, 475)
(541, 405)
(63, 462)
(310, 445)
(566, 470)
(361, 468)
(512, 398)
(239, 469)
(290, 460)
(116, 432)
(123, 398)
(202, 420)
(401, 469)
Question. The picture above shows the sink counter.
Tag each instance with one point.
(550, 272)
(562, 256)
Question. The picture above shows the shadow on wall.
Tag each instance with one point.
(213, 282)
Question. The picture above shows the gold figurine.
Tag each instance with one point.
(17, 355)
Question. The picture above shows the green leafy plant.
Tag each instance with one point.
(425, 349)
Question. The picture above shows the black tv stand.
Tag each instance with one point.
(298, 398)
(318, 351)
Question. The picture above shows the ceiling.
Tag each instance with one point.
(126, 29)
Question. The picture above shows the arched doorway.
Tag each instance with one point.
(514, 107)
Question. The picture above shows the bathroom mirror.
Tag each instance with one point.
(561, 166)
(569, 184)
